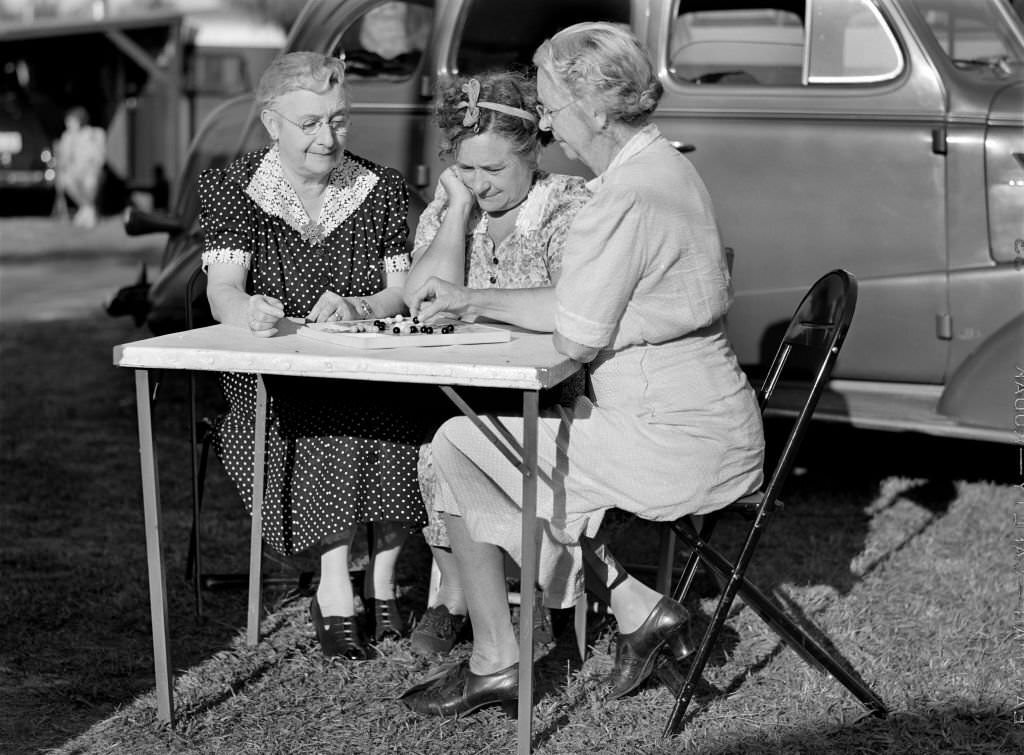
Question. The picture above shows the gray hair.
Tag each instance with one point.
(312, 71)
(607, 64)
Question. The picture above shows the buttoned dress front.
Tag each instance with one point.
(339, 452)
(671, 426)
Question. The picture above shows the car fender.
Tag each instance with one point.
(981, 392)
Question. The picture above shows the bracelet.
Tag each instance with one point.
(365, 311)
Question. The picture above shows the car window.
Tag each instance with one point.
(739, 43)
(499, 34)
(386, 42)
(973, 34)
(851, 43)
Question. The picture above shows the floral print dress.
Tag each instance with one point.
(529, 257)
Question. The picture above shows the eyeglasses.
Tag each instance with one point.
(311, 127)
(543, 111)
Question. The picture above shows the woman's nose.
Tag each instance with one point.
(480, 183)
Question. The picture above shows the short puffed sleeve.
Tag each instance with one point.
(394, 207)
(567, 196)
(225, 218)
(430, 222)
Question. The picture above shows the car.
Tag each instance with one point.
(27, 170)
(885, 137)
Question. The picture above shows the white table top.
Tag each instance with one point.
(528, 361)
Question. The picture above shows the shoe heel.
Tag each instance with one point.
(677, 644)
(510, 708)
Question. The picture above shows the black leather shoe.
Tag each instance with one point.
(636, 652)
(460, 691)
(338, 635)
(387, 620)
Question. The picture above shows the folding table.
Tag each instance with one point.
(527, 363)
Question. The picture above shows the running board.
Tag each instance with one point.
(886, 406)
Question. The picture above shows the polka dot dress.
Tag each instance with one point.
(339, 452)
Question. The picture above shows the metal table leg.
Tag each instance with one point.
(528, 580)
(252, 628)
(154, 550)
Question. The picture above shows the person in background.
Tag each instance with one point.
(670, 425)
(81, 153)
(304, 229)
(497, 223)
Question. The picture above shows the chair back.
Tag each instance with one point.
(805, 358)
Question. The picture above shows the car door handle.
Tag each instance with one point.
(683, 148)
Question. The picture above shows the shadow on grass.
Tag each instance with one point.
(827, 538)
(989, 732)
(75, 640)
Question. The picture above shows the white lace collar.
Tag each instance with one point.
(531, 214)
(350, 184)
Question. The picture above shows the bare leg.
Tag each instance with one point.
(388, 539)
(334, 594)
(494, 641)
(450, 593)
(631, 600)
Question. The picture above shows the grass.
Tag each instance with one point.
(900, 548)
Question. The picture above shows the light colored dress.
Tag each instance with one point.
(529, 257)
(672, 425)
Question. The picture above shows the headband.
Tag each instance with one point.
(472, 106)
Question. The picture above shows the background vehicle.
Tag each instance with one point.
(882, 136)
(28, 128)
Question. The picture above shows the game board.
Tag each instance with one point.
(380, 334)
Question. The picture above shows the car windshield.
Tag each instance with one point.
(975, 35)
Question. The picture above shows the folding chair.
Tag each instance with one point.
(201, 434)
(803, 362)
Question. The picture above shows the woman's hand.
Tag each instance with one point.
(329, 307)
(459, 195)
(263, 314)
(437, 297)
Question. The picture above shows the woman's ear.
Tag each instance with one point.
(266, 118)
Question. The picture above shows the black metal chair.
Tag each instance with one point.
(804, 361)
(201, 435)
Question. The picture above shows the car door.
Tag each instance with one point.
(814, 126)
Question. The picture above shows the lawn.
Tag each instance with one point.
(899, 547)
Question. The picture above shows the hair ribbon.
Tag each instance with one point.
(473, 104)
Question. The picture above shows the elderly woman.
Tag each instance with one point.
(497, 224)
(671, 425)
(304, 229)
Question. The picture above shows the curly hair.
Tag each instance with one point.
(312, 71)
(511, 88)
(606, 63)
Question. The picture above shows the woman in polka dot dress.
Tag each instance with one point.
(305, 229)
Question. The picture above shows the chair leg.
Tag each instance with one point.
(579, 625)
(193, 568)
(689, 573)
(794, 635)
(666, 560)
(791, 633)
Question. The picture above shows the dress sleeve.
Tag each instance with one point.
(396, 224)
(602, 263)
(567, 197)
(430, 221)
(224, 216)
